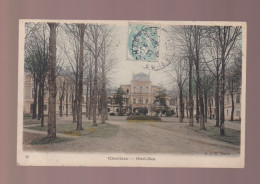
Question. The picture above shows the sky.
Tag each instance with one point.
(125, 67)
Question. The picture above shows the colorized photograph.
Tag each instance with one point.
(131, 93)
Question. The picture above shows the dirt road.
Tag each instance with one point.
(163, 137)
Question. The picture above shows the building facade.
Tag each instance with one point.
(138, 96)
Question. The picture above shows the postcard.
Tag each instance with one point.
(131, 93)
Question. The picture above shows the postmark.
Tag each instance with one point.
(143, 42)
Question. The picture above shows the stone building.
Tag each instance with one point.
(65, 103)
(139, 95)
(173, 102)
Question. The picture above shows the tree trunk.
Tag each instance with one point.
(217, 101)
(61, 99)
(197, 105)
(177, 111)
(52, 82)
(98, 103)
(95, 94)
(222, 95)
(233, 107)
(190, 94)
(103, 92)
(35, 99)
(210, 109)
(39, 100)
(90, 91)
(73, 107)
(80, 85)
(87, 99)
(67, 105)
(42, 103)
(187, 110)
(200, 97)
(206, 106)
(181, 105)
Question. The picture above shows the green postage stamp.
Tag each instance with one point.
(143, 42)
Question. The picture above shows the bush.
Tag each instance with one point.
(112, 114)
(170, 113)
(144, 117)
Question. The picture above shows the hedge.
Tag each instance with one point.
(144, 117)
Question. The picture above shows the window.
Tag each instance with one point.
(141, 89)
(146, 101)
(238, 113)
(134, 89)
(127, 90)
(227, 112)
(147, 89)
(45, 107)
(238, 98)
(172, 102)
(228, 100)
(140, 100)
(134, 101)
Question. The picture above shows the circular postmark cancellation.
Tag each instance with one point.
(143, 43)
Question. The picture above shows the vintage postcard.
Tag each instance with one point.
(131, 93)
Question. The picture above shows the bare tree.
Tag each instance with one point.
(62, 86)
(207, 81)
(212, 60)
(189, 40)
(108, 64)
(81, 28)
(96, 35)
(178, 74)
(234, 81)
(52, 82)
(185, 43)
(76, 59)
(225, 38)
(36, 62)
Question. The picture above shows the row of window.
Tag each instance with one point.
(140, 101)
(140, 89)
(237, 113)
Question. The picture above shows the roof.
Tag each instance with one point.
(141, 77)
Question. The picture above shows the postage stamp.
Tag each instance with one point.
(143, 42)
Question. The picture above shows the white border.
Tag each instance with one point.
(26, 158)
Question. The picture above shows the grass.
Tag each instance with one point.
(231, 136)
(46, 140)
(102, 130)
